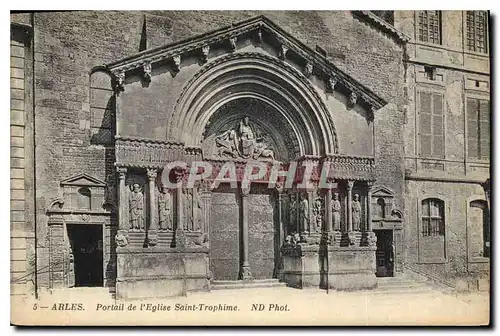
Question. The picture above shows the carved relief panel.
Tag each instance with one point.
(137, 190)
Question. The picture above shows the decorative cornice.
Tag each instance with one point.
(382, 25)
(323, 67)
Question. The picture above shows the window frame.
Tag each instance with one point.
(466, 33)
(432, 91)
(426, 229)
(479, 157)
(419, 24)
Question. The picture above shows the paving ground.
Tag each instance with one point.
(260, 306)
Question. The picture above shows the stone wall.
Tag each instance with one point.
(21, 171)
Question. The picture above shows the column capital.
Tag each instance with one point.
(245, 191)
(350, 185)
(121, 171)
(152, 172)
(279, 187)
(179, 174)
(369, 184)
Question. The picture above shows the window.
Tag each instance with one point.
(476, 31)
(84, 198)
(484, 221)
(431, 125)
(478, 128)
(432, 217)
(380, 208)
(429, 26)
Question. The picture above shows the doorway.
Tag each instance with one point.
(87, 254)
(385, 253)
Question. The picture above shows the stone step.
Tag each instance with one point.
(238, 284)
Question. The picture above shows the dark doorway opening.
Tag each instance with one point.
(385, 253)
(87, 251)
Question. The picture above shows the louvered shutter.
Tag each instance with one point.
(437, 126)
(425, 124)
(472, 128)
(484, 129)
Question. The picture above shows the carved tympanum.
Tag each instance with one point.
(242, 143)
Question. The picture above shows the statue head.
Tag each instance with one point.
(356, 197)
(136, 187)
(336, 196)
(164, 189)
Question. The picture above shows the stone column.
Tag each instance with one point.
(246, 274)
(310, 200)
(152, 225)
(328, 206)
(279, 191)
(180, 235)
(123, 223)
(350, 184)
(121, 237)
(369, 207)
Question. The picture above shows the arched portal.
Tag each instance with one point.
(255, 77)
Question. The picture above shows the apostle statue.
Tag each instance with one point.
(199, 215)
(336, 212)
(356, 213)
(136, 207)
(304, 212)
(292, 213)
(165, 209)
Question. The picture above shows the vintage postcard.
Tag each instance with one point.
(250, 168)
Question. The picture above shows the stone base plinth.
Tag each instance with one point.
(161, 272)
(342, 268)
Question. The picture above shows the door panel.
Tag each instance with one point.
(384, 253)
(224, 235)
(261, 235)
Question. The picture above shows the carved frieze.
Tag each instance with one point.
(146, 153)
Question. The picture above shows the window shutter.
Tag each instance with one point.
(437, 126)
(425, 123)
(484, 128)
(472, 128)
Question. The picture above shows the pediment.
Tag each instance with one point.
(381, 191)
(260, 30)
(83, 180)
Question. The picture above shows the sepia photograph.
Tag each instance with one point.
(250, 168)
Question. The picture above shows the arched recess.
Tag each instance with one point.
(261, 77)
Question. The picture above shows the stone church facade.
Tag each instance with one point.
(109, 99)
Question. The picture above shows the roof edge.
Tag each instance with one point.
(383, 26)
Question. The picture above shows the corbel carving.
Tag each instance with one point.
(119, 80)
(152, 172)
(371, 113)
(259, 35)
(146, 68)
(283, 51)
(308, 69)
(232, 43)
(353, 98)
(204, 53)
(121, 240)
(176, 62)
(332, 82)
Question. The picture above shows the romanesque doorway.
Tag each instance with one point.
(86, 259)
(385, 253)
